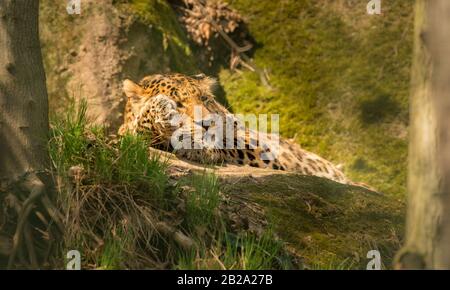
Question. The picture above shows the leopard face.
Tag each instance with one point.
(186, 92)
(157, 98)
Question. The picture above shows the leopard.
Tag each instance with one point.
(157, 100)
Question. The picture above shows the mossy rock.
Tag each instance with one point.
(327, 224)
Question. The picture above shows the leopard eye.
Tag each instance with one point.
(204, 98)
(179, 104)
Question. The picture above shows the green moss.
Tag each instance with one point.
(159, 15)
(325, 222)
(341, 80)
(156, 12)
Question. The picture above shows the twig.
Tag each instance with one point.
(36, 188)
(218, 260)
(30, 246)
(245, 60)
(56, 216)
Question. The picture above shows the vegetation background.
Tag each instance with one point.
(340, 77)
(340, 82)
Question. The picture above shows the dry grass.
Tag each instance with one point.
(112, 194)
(99, 217)
(122, 209)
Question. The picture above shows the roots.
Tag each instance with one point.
(24, 243)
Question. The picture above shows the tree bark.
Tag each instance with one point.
(23, 94)
(428, 219)
(23, 125)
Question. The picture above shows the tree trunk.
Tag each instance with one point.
(428, 220)
(23, 94)
(23, 128)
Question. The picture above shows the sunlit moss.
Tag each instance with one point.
(326, 223)
(159, 15)
(340, 78)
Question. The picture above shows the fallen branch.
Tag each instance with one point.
(202, 19)
(236, 48)
(181, 239)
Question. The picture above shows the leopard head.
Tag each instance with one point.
(187, 92)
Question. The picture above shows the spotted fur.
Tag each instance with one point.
(157, 98)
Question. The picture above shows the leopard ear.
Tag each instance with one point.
(207, 84)
(132, 90)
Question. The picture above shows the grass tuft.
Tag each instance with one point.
(237, 252)
(203, 200)
(110, 191)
